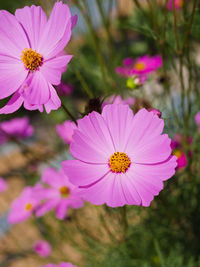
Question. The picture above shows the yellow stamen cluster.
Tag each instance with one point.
(177, 153)
(179, 3)
(64, 191)
(31, 59)
(139, 66)
(28, 206)
(119, 162)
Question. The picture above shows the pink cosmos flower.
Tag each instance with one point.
(62, 264)
(60, 194)
(178, 4)
(32, 57)
(140, 67)
(197, 119)
(66, 130)
(121, 158)
(3, 185)
(42, 248)
(18, 128)
(23, 206)
(118, 100)
(64, 89)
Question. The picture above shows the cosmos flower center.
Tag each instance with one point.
(28, 206)
(179, 3)
(31, 59)
(139, 66)
(119, 162)
(177, 153)
(64, 191)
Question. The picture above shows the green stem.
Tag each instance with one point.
(189, 25)
(69, 114)
(105, 22)
(176, 28)
(83, 83)
(153, 17)
(96, 44)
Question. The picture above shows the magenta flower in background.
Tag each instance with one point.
(64, 89)
(197, 119)
(140, 67)
(62, 264)
(23, 206)
(42, 248)
(3, 185)
(18, 128)
(32, 57)
(118, 100)
(156, 112)
(178, 150)
(178, 4)
(121, 158)
(66, 130)
(59, 195)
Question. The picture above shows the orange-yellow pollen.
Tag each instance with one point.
(119, 162)
(179, 3)
(28, 206)
(177, 153)
(31, 59)
(139, 66)
(64, 191)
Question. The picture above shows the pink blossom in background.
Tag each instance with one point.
(64, 89)
(178, 4)
(62, 264)
(66, 130)
(3, 185)
(156, 112)
(59, 195)
(18, 128)
(197, 119)
(32, 57)
(178, 150)
(121, 158)
(119, 100)
(140, 67)
(23, 206)
(42, 248)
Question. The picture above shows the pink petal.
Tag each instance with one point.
(147, 179)
(94, 137)
(61, 209)
(46, 207)
(86, 150)
(145, 127)
(13, 104)
(18, 216)
(33, 19)
(100, 192)
(60, 18)
(58, 49)
(3, 185)
(119, 119)
(74, 20)
(83, 174)
(54, 102)
(37, 91)
(152, 151)
(51, 177)
(12, 75)
(52, 69)
(13, 39)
